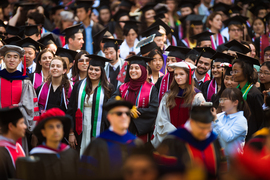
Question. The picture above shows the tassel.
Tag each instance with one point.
(24, 66)
(189, 74)
(78, 121)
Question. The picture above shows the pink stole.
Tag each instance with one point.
(264, 42)
(43, 95)
(220, 40)
(211, 89)
(207, 77)
(164, 86)
(143, 97)
(37, 80)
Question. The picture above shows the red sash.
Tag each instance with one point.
(37, 81)
(15, 151)
(143, 98)
(164, 86)
(220, 41)
(10, 92)
(207, 77)
(179, 114)
(207, 157)
(264, 42)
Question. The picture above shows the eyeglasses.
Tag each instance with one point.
(84, 60)
(267, 55)
(234, 72)
(119, 113)
(222, 100)
(263, 74)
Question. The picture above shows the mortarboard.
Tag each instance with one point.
(9, 114)
(159, 22)
(220, 7)
(237, 47)
(147, 44)
(159, 16)
(96, 60)
(188, 3)
(46, 40)
(247, 59)
(6, 48)
(29, 42)
(126, 4)
(119, 14)
(206, 52)
(117, 101)
(62, 52)
(152, 30)
(204, 36)
(99, 36)
(202, 114)
(109, 42)
(177, 51)
(12, 30)
(55, 8)
(73, 30)
(195, 19)
(139, 60)
(30, 30)
(147, 7)
(222, 48)
(160, 8)
(235, 20)
(83, 4)
(131, 24)
(223, 58)
(256, 6)
(12, 40)
(26, 5)
(234, 9)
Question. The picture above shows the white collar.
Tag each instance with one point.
(7, 139)
(116, 64)
(194, 77)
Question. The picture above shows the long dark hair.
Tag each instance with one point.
(174, 90)
(75, 69)
(104, 84)
(38, 66)
(143, 25)
(65, 81)
(234, 94)
(267, 64)
(248, 70)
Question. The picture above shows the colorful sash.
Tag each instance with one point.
(37, 79)
(264, 42)
(212, 89)
(97, 111)
(43, 95)
(43, 149)
(15, 151)
(143, 98)
(207, 78)
(220, 40)
(159, 75)
(164, 86)
(245, 89)
(10, 92)
(188, 43)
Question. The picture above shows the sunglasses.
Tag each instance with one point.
(119, 113)
(83, 60)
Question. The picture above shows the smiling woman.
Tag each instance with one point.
(79, 70)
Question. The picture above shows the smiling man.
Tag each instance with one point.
(74, 37)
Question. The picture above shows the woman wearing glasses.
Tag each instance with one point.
(86, 101)
(243, 73)
(176, 103)
(264, 76)
(231, 124)
(81, 64)
(42, 68)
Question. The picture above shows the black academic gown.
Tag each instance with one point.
(145, 122)
(7, 169)
(72, 108)
(255, 102)
(181, 145)
(104, 156)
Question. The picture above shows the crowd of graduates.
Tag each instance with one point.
(135, 89)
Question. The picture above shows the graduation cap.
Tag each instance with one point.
(237, 47)
(127, 4)
(204, 36)
(235, 20)
(222, 48)
(177, 51)
(119, 14)
(223, 58)
(152, 30)
(185, 65)
(7, 48)
(139, 60)
(220, 7)
(99, 36)
(159, 16)
(188, 3)
(256, 6)
(73, 30)
(96, 60)
(234, 9)
(46, 40)
(83, 4)
(30, 30)
(9, 114)
(12, 40)
(165, 26)
(115, 43)
(206, 52)
(26, 5)
(55, 8)
(12, 30)
(62, 52)
(195, 19)
(147, 7)
(131, 24)
(117, 101)
(161, 9)
(247, 59)
(29, 42)
(147, 44)
(202, 114)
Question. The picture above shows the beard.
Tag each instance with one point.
(201, 73)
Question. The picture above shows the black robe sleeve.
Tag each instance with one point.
(157, 85)
(204, 88)
(255, 102)
(38, 89)
(7, 169)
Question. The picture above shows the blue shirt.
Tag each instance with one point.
(232, 131)
(88, 38)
